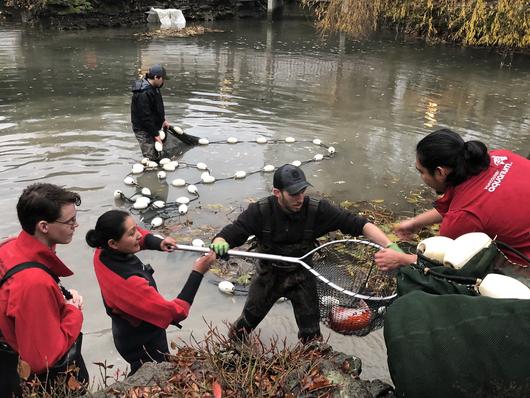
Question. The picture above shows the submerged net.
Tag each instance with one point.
(350, 265)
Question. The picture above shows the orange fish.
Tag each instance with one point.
(347, 320)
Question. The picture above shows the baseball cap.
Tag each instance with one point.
(158, 70)
(290, 178)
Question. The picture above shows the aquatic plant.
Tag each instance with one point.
(495, 23)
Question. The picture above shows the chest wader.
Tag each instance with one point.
(274, 280)
(71, 364)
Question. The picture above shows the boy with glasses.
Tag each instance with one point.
(40, 321)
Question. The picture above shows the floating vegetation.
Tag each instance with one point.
(499, 23)
(189, 31)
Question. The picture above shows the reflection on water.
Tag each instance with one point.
(64, 119)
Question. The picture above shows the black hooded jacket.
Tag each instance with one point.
(147, 108)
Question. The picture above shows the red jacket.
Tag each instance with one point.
(35, 319)
(494, 202)
(133, 295)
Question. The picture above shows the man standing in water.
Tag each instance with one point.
(288, 223)
(147, 110)
(40, 321)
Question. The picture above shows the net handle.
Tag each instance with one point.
(299, 260)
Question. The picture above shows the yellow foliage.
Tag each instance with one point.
(500, 23)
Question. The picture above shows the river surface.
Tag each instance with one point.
(64, 119)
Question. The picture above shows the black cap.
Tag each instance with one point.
(157, 70)
(290, 178)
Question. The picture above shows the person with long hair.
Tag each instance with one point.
(140, 314)
(482, 191)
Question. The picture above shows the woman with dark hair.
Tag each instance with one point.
(482, 192)
(139, 313)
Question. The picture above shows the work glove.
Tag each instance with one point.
(221, 249)
(394, 246)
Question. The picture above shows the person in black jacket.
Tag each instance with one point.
(147, 110)
(288, 223)
(138, 311)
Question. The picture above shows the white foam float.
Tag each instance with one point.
(164, 161)
(203, 141)
(192, 189)
(240, 174)
(268, 168)
(141, 203)
(318, 157)
(331, 150)
(144, 160)
(208, 179)
(129, 180)
(296, 163)
(504, 287)
(178, 182)
(197, 243)
(317, 141)
(464, 248)
(162, 134)
(146, 191)
(169, 166)
(289, 140)
(178, 130)
(226, 287)
(158, 146)
(183, 200)
(161, 175)
(435, 247)
(152, 165)
(118, 194)
(231, 140)
(261, 140)
(137, 168)
(201, 166)
(156, 222)
(183, 209)
(159, 204)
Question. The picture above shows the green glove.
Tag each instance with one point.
(221, 249)
(394, 246)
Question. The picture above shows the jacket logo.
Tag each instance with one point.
(498, 160)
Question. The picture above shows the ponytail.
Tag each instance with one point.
(447, 149)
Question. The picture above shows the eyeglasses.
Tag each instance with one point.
(71, 222)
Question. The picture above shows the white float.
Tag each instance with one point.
(317, 141)
(268, 168)
(231, 140)
(159, 204)
(146, 191)
(169, 166)
(464, 248)
(118, 194)
(318, 157)
(503, 287)
(289, 140)
(183, 200)
(240, 174)
(164, 161)
(435, 247)
(156, 222)
(203, 141)
(129, 180)
(138, 168)
(144, 160)
(161, 175)
(296, 163)
(226, 287)
(178, 182)
(158, 146)
(197, 243)
(331, 150)
(261, 140)
(152, 165)
(183, 209)
(192, 189)
(201, 166)
(208, 179)
(162, 134)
